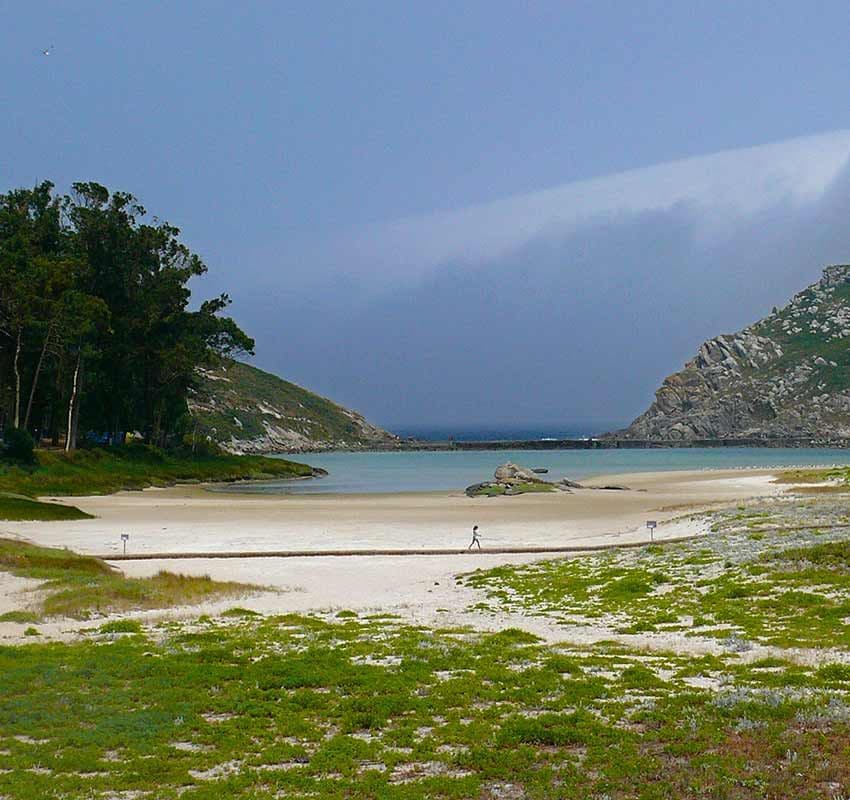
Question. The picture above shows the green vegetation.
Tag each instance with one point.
(829, 555)
(121, 626)
(18, 446)
(297, 707)
(18, 507)
(81, 586)
(773, 588)
(813, 475)
(19, 616)
(105, 470)
(237, 401)
(500, 490)
(803, 330)
(96, 332)
(833, 480)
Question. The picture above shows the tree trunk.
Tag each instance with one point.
(156, 433)
(35, 378)
(73, 416)
(76, 423)
(16, 366)
(55, 406)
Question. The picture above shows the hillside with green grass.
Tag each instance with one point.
(786, 376)
(246, 410)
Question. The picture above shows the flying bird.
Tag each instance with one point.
(47, 51)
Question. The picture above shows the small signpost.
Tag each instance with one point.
(652, 525)
(124, 538)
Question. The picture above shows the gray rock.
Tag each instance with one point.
(764, 381)
(513, 473)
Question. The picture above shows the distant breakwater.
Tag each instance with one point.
(622, 444)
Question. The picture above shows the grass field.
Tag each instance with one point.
(20, 507)
(81, 587)
(295, 707)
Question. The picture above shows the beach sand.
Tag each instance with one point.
(420, 588)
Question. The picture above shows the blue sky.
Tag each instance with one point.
(298, 145)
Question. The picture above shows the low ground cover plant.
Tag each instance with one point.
(81, 587)
(787, 585)
(302, 707)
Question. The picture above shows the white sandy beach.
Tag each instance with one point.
(190, 519)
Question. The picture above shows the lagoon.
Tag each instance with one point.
(427, 471)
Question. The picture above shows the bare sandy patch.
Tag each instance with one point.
(417, 588)
(16, 594)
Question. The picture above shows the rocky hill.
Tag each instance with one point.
(246, 410)
(786, 376)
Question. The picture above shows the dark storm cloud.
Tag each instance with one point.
(566, 328)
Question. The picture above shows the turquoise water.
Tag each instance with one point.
(357, 473)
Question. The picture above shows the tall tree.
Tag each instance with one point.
(95, 306)
(31, 245)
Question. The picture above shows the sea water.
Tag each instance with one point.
(424, 471)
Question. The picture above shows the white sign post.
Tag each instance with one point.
(652, 525)
(124, 538)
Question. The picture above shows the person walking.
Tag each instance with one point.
(476, 539)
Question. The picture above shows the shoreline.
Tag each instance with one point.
(223, 487)
(187, 519)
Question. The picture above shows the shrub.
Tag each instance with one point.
(19, 616)
(19, 445)
(238, 611)
(121, 626)
(199, 447)
(834, 672)
(556, 730)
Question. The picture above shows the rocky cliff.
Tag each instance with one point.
(787, 375)
(246, 410)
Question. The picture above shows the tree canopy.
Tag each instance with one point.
(97, 332)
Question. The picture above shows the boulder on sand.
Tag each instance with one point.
(513, 473)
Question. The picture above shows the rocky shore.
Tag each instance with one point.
(512, 479)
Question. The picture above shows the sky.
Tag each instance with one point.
(458, 214)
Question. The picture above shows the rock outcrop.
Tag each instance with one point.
(512, 479)
(246, 410)
(786, 376)
(513, 473)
